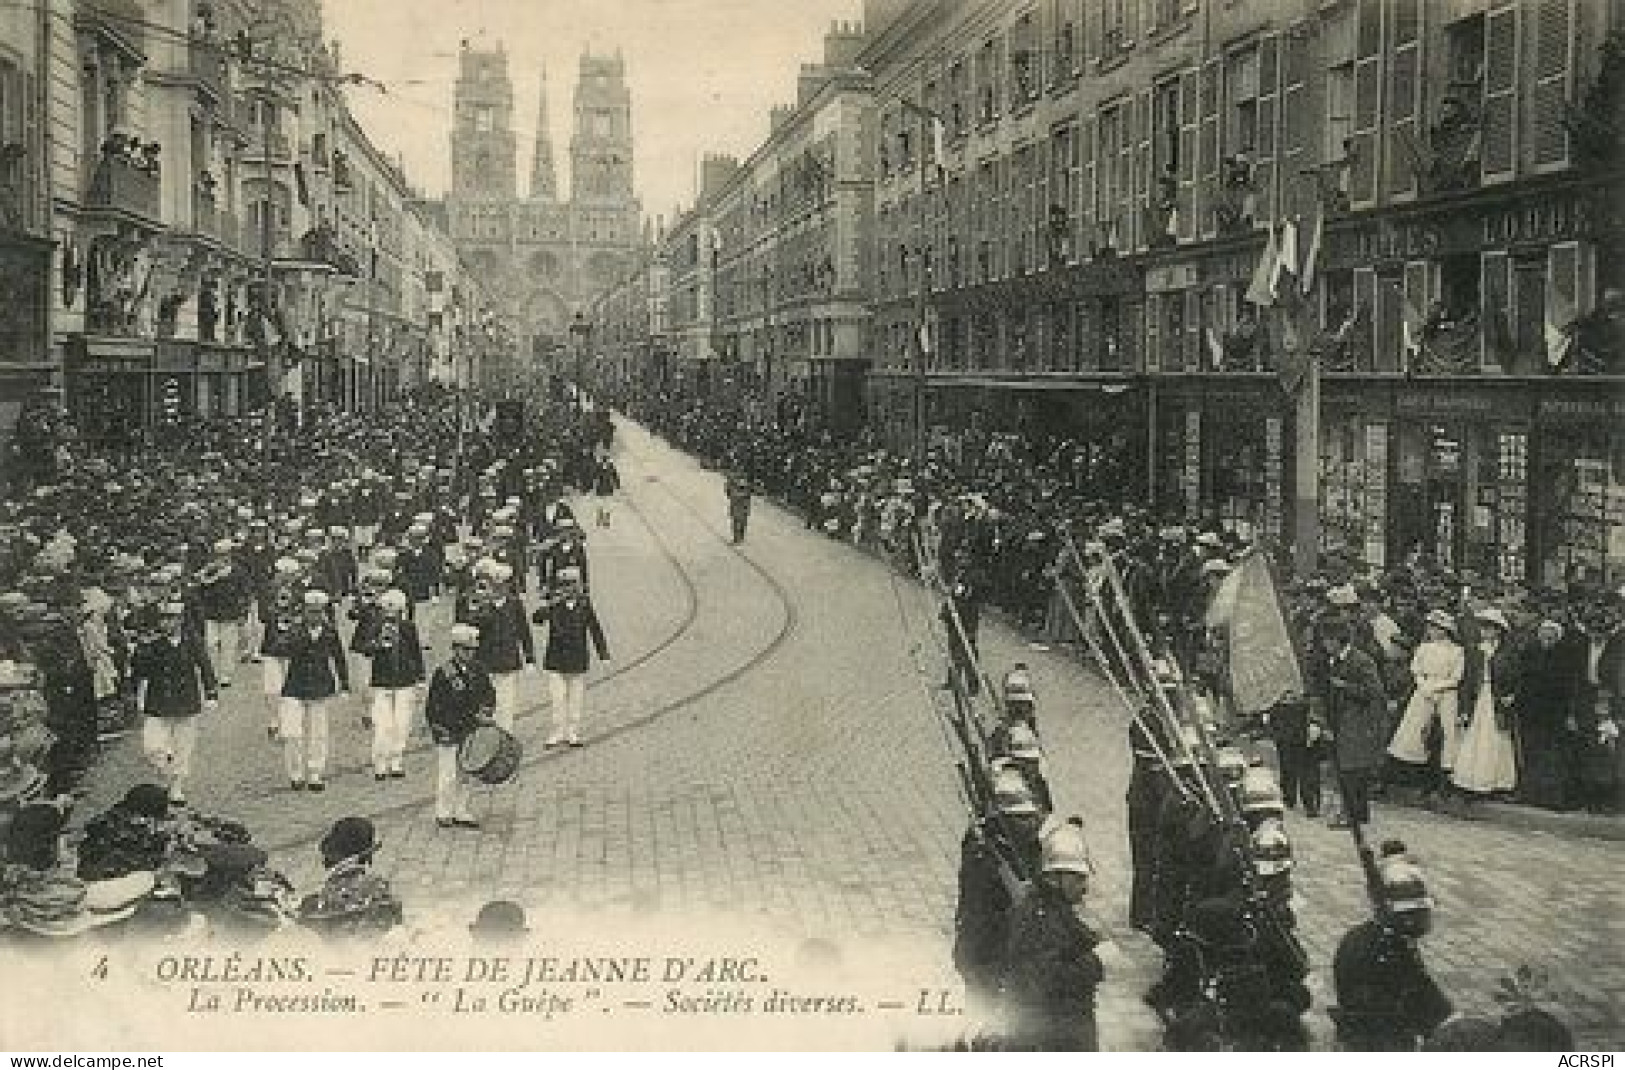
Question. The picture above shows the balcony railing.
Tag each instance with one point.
(207, 63)
(126, 180)
(255, 148)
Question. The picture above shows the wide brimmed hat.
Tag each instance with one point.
(1494, 616)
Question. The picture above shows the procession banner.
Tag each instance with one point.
(1263, 664)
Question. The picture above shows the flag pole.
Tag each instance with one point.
(1306, 469)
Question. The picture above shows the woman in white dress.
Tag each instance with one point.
(1487, 760)
(1437, 667)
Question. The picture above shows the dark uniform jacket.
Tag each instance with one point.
(506, 644)
(1050, 974)
(178, 676)
(1385, 999)
(224, 597)
(317, 668)
(459, 697)
(396, 652)
(563, 555)
(570, 621)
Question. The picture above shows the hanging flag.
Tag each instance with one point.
(1215, 349)
(1259, 290)
(939, 140)
(1286, 260)
(1264, 666)
(299, 181)
(1559, 327)
(1311, 255)
(1415, 322)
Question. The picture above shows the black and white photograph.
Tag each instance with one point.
(812, 525)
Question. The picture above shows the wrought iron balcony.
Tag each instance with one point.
(126, 179)
(206, 61)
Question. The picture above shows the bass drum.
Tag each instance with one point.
(490, 755)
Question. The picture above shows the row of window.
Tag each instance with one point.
(1494, 311)
(1369, 108)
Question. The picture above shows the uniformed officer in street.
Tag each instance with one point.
(1051, 969)
(1386, 1000)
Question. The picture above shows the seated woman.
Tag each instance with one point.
(353, 900)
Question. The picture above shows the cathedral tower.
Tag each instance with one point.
(601, 146)
(484, 165)
(544, 183)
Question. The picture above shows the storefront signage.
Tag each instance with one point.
(1538, 222)
(1584, 409)
(1462, 403)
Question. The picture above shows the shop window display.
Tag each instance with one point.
(1584, 513)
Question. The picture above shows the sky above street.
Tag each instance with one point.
(703, 74)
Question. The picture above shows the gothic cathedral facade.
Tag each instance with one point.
(545, 257)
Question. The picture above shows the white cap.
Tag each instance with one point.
(1066, 851)
(286, 565)
(394, 599)
(316, 599)
(464, 634)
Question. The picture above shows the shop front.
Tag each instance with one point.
(1223, 453)
(1578, 523)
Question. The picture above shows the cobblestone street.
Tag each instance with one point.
(762, 752)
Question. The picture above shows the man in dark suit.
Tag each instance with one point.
(1599, 706)
(318, 671)
(571, 621)
(1358, 709)
(174, 685)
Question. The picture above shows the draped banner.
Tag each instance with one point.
(1263, 664)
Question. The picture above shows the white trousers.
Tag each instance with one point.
(450, 786)
(169, 743)
(568, 691)
(392, 710)
(506, 685)
(304, 738)
(223, 640)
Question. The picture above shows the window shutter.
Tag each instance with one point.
(1417, 295)
(1365, 331)
(1568, 283)
(1208, 145)
(1087, 212)
(1189, 84)
(1142, 170)
(1153, 323)
(1390, 324)
(1554, 31)
(1367, 104)
(1193, 329)
(35, 210)
(1404, 97)
(1497, 322)
(1499, 152)
(1267, 151)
